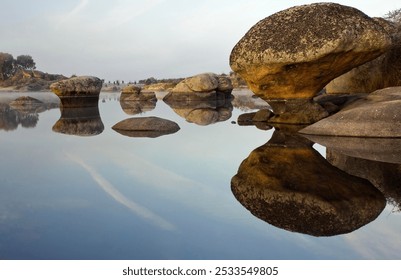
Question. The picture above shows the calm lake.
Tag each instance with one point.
(70, 192)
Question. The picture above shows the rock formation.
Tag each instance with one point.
(146, 127)
(376, 115)
(290, 185)
(294, 53)
(207, 86)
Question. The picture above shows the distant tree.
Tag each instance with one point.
(394, 16)
(122, 81)
(25, 62)
(7, 68)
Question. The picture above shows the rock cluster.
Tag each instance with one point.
(204, 86)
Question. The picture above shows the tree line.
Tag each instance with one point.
(10, 65)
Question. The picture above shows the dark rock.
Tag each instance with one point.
(146, 127)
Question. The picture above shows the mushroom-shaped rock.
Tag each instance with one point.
(296, 52)
(291, 186)
(146, 127)
(376, 115)
(77, 87)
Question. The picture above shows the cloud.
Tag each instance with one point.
(112, 191)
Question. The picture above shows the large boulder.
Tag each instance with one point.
(146, 127)
(376, 115)
(291, 186)
(382, 72)
(78, 87)
(204, 86)
(296, 52)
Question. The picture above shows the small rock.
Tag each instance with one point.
(146, 127)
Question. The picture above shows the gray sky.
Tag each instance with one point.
(132, 39)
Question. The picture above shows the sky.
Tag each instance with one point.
(131, 40)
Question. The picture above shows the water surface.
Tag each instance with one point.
(97, 194)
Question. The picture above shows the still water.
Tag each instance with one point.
(73, 188)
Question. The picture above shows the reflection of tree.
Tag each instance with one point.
(290, 185)
(9, 118)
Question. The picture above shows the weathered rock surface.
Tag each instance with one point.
(201, 87)
(77, 87)
(382, 72)
(296, 52)
(160, 86)
(376, 115)
(291, 186)
(146, 127)
(131, 89)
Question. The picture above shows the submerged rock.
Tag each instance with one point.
(296, 52)
(146, 127)
(291, 186)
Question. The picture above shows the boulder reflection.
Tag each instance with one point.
(22, 111)
(288, 184)
(386, 176)
(79, 116)
(202, 112)
(133, 107)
